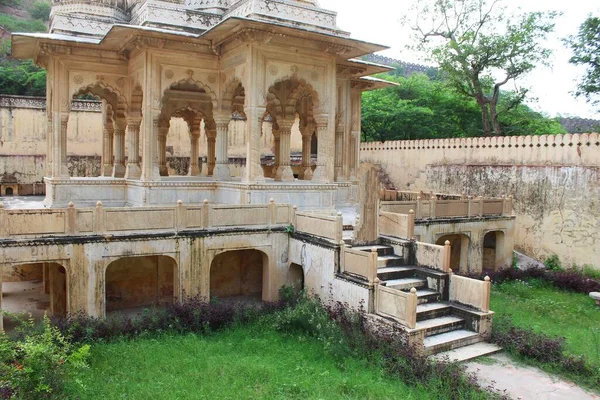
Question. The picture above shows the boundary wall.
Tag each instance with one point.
(554, 180)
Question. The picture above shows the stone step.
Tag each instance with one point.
(406, 283)
(469, 352)
(389, 261)
(398, 272)
(439, 325)
(432, 310)
(425, 296)
(450, 341)
(381, 250)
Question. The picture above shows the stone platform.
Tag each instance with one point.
(115, 192)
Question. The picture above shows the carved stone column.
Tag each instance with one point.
(62, 147)
(107, 150)
(339, 152)
(284, 171)
(133, 170)
(194, 145)
(163, 131)
(354, 143)
(322, 173)
(222, 171)
(211, 139)
(119, 166)
(306, 172)
(276, 150)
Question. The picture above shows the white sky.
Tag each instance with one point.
(378, 21)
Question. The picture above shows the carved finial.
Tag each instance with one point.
(342, 243)
(450, 271)
(411, 211)
(376, 281)
(418, 198)
(71, 204)
(447, 243)
(487, 278)
(205, 201)
(99, 204)
(179, 202)
(295, 208)
(1, 205)
(272, 200)
(414, 238)
(339, 214)
(413, 291)
(373, 250)
(432, 198)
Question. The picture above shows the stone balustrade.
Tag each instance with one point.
(463, 208)
(319, 224)
(361, 264)
(433, 256)
(396, 304)
(397, 225)
(35, 223)
(471, 292)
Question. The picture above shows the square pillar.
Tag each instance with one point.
(222, 171)
(325, 154)
(119, 141)
(284, 171)
(133, 170)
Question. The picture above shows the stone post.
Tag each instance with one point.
(211, 140)
(222, 171)
(163, 131)
(108, 141)
(284, 172)
(61, 158)
(71, 215)
(339, 152)
(354, 154)
(306, 172)
(276, 150)
(480, 199)
(323, 173)
(432, 201)
(194, 169)
(99, 220)
(133, 170)
(119, 166)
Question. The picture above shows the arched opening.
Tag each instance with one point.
(193, 105)
(239, 275)
(459, 256)
(493, 251)
(109, 145)
(34, 289)
(9, 191)
(295, 277)
(134, 283)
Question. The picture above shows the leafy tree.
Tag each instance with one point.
(40, 10)
(22, 78)
(474, 40)
(586, 51)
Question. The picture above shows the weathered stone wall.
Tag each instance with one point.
(554, 180)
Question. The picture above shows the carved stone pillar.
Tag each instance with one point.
(324, 171)
(354, 143)
(194, 145)
(306, 172)
(211, 139)
(119, 166)
(61, 158)
(222, 171)
(163, 131)
(284, 172)
(133, 170)
(107, 150)
(276, 150)
(339, 152)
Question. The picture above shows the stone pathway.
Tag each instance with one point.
(524, 382)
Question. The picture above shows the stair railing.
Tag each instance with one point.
(396, 304)
(360, 263)
(471, 292)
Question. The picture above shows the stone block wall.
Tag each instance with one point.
(554, 181)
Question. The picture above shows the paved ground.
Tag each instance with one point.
(524, 382)
(24, 296)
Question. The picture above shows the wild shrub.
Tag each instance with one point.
(36, 365)
(40, 10)
(553, 263)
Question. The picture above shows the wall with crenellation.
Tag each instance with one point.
(554, 179)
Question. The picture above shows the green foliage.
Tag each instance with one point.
(553, 263)
(40, 10)
(290, 229)
(38, 364)
(586, 51)
(474, 40)
(422, 108)
(13, 24)
(22, 78)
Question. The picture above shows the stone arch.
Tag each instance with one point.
(131, 283)
(295, 277)
(460, 245)
(284, 94)
(240, 275)
(136, 103)
(493, 251)
(192, 85)
(35, 288)
(234, 97)
(105, 92)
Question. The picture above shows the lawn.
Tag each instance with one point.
(536, 304)
(239, 363)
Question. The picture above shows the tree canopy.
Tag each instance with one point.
(586, 51)
(422, 108)
(475, 41)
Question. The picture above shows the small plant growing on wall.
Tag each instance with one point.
(290, 229)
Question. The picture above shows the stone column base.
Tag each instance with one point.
(118, 171)
(133, 171)
(222, 172)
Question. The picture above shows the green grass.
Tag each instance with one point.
(240, 363)
(538, 305)
(22, 25)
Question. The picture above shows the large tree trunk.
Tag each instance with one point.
(485, 115)
(495, 122)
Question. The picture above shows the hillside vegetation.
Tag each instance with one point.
(21, 77)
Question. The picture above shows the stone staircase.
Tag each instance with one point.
(445, 328)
